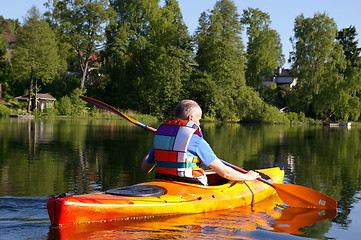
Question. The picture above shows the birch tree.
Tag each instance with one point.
(36, 60)
(82, 24)
(316, 61)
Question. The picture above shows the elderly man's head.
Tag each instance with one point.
(188, 110)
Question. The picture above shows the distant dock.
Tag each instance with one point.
(22, 116)
(348, 125)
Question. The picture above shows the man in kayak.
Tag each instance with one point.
(179, 150)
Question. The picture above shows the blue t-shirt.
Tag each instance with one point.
(197, 147)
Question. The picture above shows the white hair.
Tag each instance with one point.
(185, 108)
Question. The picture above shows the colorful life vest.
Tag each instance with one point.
(170, 149)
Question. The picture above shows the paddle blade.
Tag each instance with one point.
(115, 111)
(107, 107)
(303, 197)
(295, 195)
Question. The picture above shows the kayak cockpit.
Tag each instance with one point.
(214, 179)
(146, 190)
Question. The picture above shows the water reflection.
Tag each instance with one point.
(42, 157)
(80, 156)
(293, 219)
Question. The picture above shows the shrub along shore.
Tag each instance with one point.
(79, 109)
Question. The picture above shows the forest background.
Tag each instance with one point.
(139, 55)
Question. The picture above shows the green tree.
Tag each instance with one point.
(127, 37)
(71, 104)
(148, 52)
(36, 61)
(169, 56)
(82, 23)
(8, 27)
(316, 61)
(220, 55)
(264, 48)
(3, 49)
(352, 73)
(350, 47)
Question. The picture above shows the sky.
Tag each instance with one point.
(282, 12)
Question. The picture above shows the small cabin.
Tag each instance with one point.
(42, 100)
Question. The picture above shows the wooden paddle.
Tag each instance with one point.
(292, 195)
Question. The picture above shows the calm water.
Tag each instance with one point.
(39, 158)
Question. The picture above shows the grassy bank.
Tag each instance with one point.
(93, 112)
(79, 109)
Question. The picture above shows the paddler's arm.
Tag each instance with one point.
(148, 162)
(231, 174)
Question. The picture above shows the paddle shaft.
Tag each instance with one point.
(289, 193)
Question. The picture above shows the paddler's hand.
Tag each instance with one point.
(251, 175)
(231, 174)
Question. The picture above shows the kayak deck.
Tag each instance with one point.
(177, 198)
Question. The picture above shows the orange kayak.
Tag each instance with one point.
(160, 198)
(236, 223)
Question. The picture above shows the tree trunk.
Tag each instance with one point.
(36, 95)
(1, 92)
(85, 72)
(30, 90)
(30, 93)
